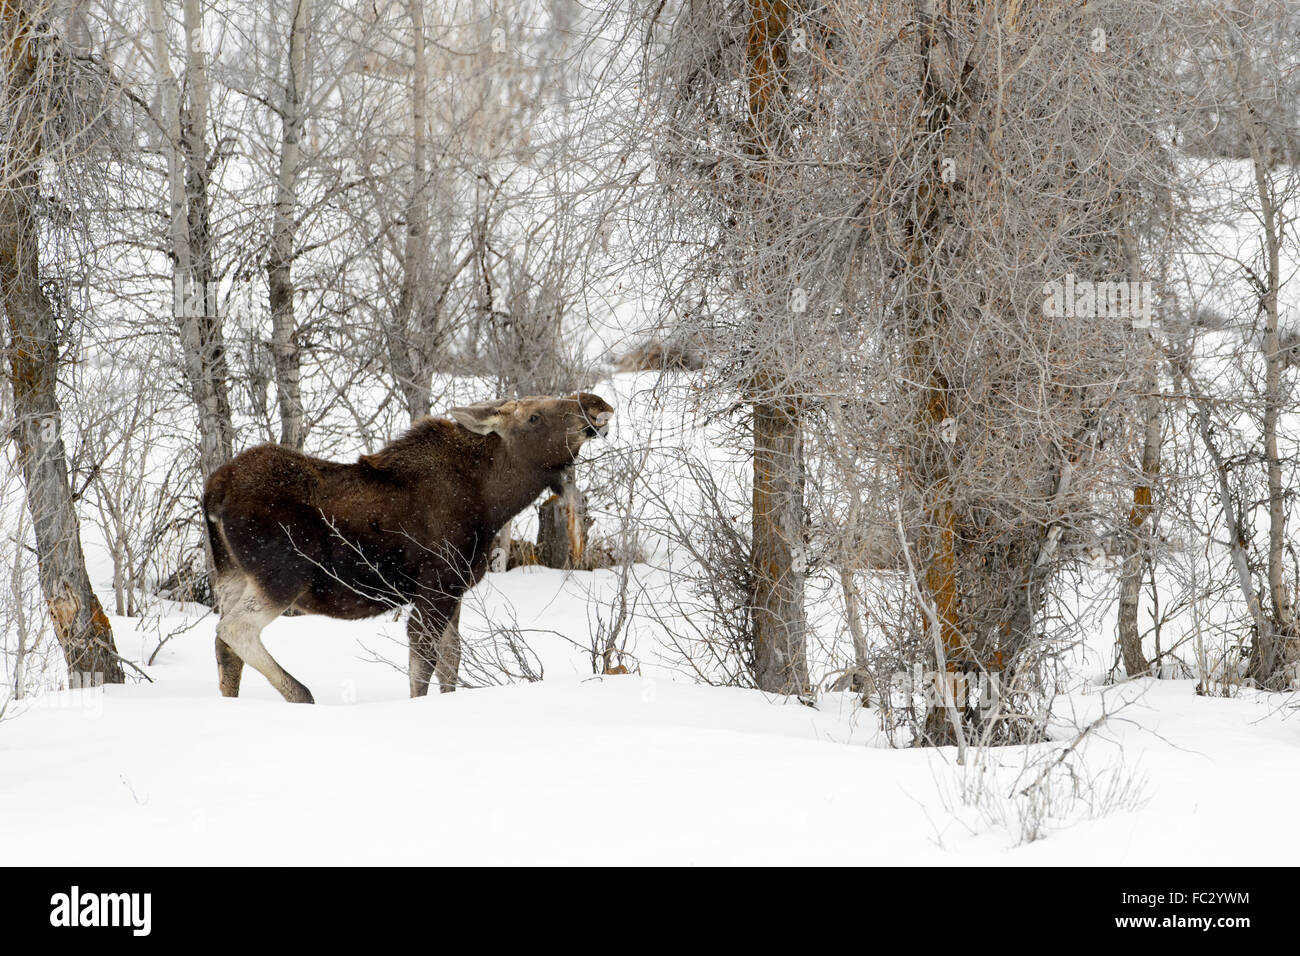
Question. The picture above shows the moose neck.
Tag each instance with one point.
(510, 485)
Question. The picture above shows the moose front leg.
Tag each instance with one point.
(448, 665)
(434, 636)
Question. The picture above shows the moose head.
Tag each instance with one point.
(540, 432)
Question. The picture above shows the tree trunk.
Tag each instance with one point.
(18, 598)
(1227, 507)
(1130, 587)
(1272, 651)
(284, 345)
(926, 322)
(562, 530)
(499, 552)
(858, 678)
(779, 560)
(82, 629)
(405, 346)
(1277, 639)
(119, 578)
(206, 339)
(926, 325)
(1137, 541)
(203, 351)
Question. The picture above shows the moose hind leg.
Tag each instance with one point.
(230, 667)
(240, 629)
(229, 590)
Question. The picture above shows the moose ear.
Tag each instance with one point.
(482, 418)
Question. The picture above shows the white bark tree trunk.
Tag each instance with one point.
(185, 145)
(284, 345)
(406, 350)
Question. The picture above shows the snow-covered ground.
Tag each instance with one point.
(626, 769)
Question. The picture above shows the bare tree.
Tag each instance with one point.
(879, 197)
(1240, 62)
(1137, 536)
(284, 349)
(36, 68)
(189, 165)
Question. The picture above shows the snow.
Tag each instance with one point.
(573, 769)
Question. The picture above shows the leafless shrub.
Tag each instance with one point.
(707, 618)
(1049, 788)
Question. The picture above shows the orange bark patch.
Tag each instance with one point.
(1141, 505)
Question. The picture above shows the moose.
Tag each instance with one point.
(411, 524)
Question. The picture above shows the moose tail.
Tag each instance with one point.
(222, 560)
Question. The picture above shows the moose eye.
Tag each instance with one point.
(533, 419)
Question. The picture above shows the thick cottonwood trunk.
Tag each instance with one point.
(80, 625)
(927, 322)
(284, 344)
(778, 558)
